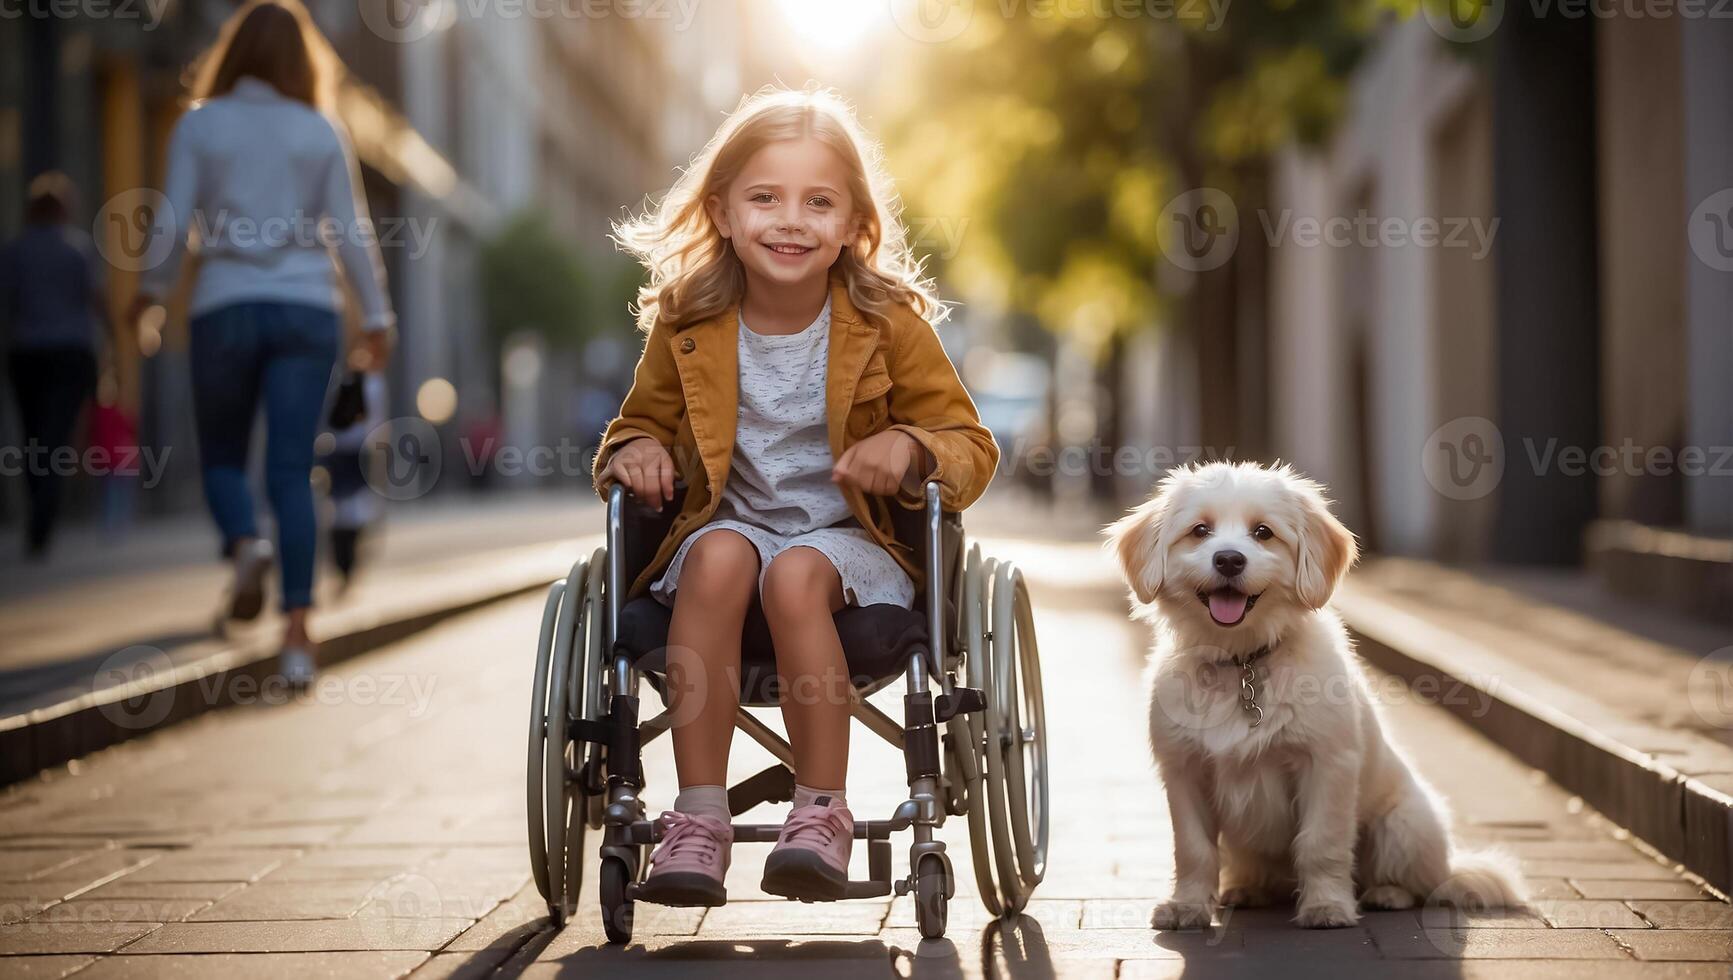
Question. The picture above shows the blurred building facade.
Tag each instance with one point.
(1592, 338)
(459, 121)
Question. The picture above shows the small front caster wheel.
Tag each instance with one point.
(930, 896)
(616, 907)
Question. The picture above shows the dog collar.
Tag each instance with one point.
(1251, 659)
(1249, 684)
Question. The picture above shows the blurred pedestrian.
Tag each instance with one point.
(114, 434)
(275, 188)
(52, 305)
(356, 509)
(481, 438)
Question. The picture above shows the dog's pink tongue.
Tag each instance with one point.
(1226, 606)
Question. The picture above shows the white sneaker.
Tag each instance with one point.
(252, 567)
(297, 666)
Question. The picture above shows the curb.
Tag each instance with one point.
(1686, 817)
(56, 734)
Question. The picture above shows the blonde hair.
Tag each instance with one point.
(693, 271)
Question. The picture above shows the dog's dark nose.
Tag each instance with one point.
(1230, 563)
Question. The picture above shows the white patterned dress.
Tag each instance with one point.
(778, 494)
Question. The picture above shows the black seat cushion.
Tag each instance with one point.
(877, 641)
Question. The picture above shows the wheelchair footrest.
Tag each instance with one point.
(867, 889)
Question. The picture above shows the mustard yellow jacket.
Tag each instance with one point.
(685, 395)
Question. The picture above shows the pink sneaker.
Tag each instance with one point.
(810, 860)
(688, 865)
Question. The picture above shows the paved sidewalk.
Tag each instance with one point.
(1661, 668)
(164, 583)
(1628, 706)
(376, 829)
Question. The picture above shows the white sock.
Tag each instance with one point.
(704, 801)
(807, 796)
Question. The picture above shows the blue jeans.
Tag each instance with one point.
(285, 353)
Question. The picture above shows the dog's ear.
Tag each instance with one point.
(1137, 539)
(1327, 550)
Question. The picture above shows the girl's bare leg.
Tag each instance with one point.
(802, 592)
(710, 603)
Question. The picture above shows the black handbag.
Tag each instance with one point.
(350, 405)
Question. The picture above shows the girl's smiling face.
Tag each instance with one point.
(789, 213)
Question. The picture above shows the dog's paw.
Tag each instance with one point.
(1180, 915)
(1326, 915)
(1246, 897)
(1387, 898)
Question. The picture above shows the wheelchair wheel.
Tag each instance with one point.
(968, 732)
(538, 742)
(1020, 720)
(565, 689)
(1000, 723)
(930, 898)
(617, 908)
(1005, 768)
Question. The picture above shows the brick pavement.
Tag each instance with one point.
(377, 831)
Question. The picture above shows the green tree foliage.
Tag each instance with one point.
(531, 279)
(1056, 132)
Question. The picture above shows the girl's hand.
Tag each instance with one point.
(878, 463)
(646, 469)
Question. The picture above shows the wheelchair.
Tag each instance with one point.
(973, 735)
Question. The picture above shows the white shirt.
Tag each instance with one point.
(270, 187)
(780, 474)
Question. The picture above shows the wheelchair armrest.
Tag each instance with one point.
(635, 529)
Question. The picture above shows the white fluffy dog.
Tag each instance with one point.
(1278, 774)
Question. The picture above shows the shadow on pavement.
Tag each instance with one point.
(25, 686)
(1016, 950)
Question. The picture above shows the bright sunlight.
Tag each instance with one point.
(832, 24)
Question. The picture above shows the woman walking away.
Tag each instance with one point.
(274, 188)
(51, 302)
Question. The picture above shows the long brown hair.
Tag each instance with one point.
(694, 273)
(274, 41)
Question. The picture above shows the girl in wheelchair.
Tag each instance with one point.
(791, 376)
